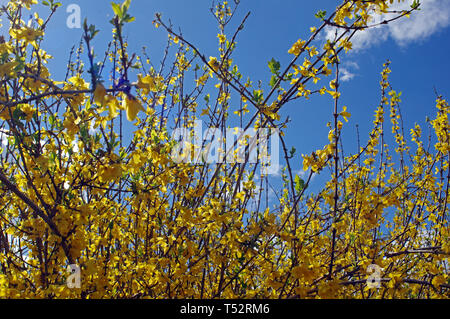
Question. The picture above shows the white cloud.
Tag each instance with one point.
(347, 70)
(346, 75)
(434, 15)
(352, 64)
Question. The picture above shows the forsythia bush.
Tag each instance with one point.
(88, 175)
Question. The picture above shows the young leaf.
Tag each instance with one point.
(415, 4)
(273, 80)
(321, 14)
(117, 10)
(274, 66)
(299, 184)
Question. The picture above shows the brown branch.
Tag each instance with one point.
(424, 250)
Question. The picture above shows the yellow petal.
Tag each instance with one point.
(133, 107)
(99, 94)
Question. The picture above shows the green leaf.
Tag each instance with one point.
(352, 238)
(321, 14)
(257, 96)
(292, 152)
(274, 66)
(136, 66)
(85, 27)
(129, 18)
(52, 157)
(125, 5)
(52, 119)
(273, 80)
(84, 132)
(415, 4)
(18, 115)
(117, 10)
(299, 184)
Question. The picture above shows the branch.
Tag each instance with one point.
(424, 250)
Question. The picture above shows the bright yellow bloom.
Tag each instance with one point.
(201, 80)
(133, 106)
(28, 34)
(213, 63)
(346, 44)
(29, 111)
(7, 69)
(345, 114)
(5, 48)
(297, 47)
(241, 196)
(99, 94)
(222, 38)
(148, 83)
(27, 3)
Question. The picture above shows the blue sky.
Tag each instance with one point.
(418, 48)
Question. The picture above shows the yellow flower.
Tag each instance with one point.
(113, 105)
(345, 114)
(222, 38)
(27, 3)
(79, 83)
(307, 162)
(347, 45)
(326, 71)
(7, 69)
(99, 94)
(132, 105)
(438, 281)
(70, 124)
(42, 162)
(335, 95)
(333, 84)
(396, 280)
(297, 47)
(6, 112)
(28, 110)
(5, 48)
(201, 80)
(147, 84)
(241, 196)
(28, 34)
(213, 63)
(110, 172)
